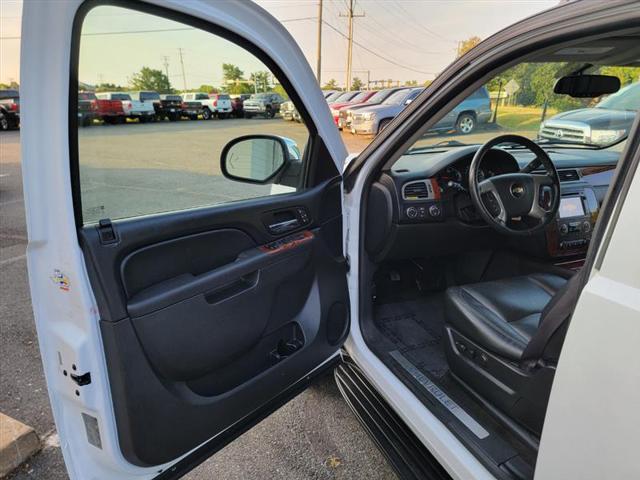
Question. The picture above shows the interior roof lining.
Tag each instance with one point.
(624, 50)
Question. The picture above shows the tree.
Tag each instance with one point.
(207, 89)
(151, 79)
(240, 87)
(109, 87)
(231, 73)
(411, 83)
(331, 85)
(427, 83)
(356, 84)
(625, 74)
(9, 86)
(280, 89)
(261, 80)
(465, 45)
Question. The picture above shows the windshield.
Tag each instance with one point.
(360, 97)
(120, 96)
(521, 101)
(149, 96)
(378, 96)
(344, 97)
(260, 96)
(627, 98)
(331, 97)
(86, 96)
(396, 98)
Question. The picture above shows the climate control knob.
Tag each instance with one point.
(434, 211)
(564, 229)
(586, 227)
(412, 212)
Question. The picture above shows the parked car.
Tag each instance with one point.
(608, 121)
(170, 107)
(9, 109)
(221, 104)
(266, 104)
(198, 103)
(328, 93)
(148, 99)
(91, 107)
(237, 101)
(373, 119)
(473, 111)
(287, 110)
(346, 112)
(87, 108)
(359, 98)
(143, 111)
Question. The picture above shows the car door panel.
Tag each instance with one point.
(204, 318)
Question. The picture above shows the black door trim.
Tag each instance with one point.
(217, 443)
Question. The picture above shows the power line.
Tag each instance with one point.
(350, 15)
(184, 77)
(420, 25)
(376, 54)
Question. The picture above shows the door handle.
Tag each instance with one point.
(284, 226)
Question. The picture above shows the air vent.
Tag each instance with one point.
(416, 190)
(568, 175)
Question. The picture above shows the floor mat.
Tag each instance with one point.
(416, 328)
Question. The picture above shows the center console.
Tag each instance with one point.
(570, 233)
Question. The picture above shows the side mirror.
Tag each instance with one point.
(254, 158)
(587, 86)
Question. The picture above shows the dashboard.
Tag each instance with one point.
(426, 201)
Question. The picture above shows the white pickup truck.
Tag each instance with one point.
(142, 110)
(210, 106)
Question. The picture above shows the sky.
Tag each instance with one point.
(400, 40)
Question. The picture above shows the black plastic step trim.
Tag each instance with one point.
(404, 451)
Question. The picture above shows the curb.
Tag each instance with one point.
(18, 442)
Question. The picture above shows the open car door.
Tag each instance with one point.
(175, 307)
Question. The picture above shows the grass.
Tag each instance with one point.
(516, 118)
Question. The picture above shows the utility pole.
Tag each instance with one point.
(184, 77)
(350, 15)
(319, 66)
(165, 62)
(368, 79)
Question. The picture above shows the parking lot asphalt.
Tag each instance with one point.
(314, 436)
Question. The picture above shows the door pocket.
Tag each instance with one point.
(201, 334)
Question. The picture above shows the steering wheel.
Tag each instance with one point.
(521, 203)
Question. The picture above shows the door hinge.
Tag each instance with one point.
(106, 232)
(81, 380)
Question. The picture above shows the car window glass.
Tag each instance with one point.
(158, 154)
(378, 96)
(521, 101)
(396, 98)
(628, 98)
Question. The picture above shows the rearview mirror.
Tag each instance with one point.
(587, 86)
(254, 158)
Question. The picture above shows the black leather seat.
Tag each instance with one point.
(502, 315)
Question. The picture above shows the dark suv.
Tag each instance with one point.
(9, 109)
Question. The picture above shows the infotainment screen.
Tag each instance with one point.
(571, 207)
